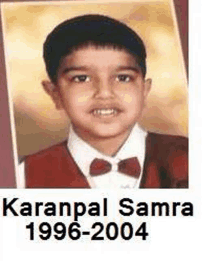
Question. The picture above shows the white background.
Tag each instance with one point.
(171, 238)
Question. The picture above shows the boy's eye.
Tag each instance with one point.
(81, 78)
(123, 78)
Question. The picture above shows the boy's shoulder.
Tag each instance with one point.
(167, 147)
(52, 152)
(167, 140)
(156, 140)
(53, 168)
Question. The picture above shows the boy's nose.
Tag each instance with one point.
(104, 90)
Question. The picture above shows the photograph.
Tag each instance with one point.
(99, 95)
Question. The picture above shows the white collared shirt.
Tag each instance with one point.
(83, 154)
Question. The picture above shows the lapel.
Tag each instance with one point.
(150, 178)
(79, 180)
(166, 162)
(53, 168)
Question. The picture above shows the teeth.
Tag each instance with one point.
(105, 112)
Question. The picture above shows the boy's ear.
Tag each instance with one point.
(148, 83)
(53, 91)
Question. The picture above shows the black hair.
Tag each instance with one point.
(96, 30)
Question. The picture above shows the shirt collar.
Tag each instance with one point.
(84, 154)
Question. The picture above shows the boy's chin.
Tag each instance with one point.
(103, 133)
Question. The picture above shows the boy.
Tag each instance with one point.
(97, 69)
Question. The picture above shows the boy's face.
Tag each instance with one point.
(102, 90)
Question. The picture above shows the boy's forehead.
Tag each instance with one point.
(99, 57)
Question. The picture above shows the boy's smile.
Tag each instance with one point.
(102, 90)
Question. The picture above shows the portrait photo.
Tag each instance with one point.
(98, 93)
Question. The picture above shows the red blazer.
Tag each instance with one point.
(165, 166)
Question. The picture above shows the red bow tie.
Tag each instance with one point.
(129, 166)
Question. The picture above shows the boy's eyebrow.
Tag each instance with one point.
(119, 68)
(132, 68)
(74, 68)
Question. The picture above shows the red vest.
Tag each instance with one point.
(165, 166)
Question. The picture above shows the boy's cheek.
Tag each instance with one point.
(135, 97)
(76, 99)
(128, 98)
